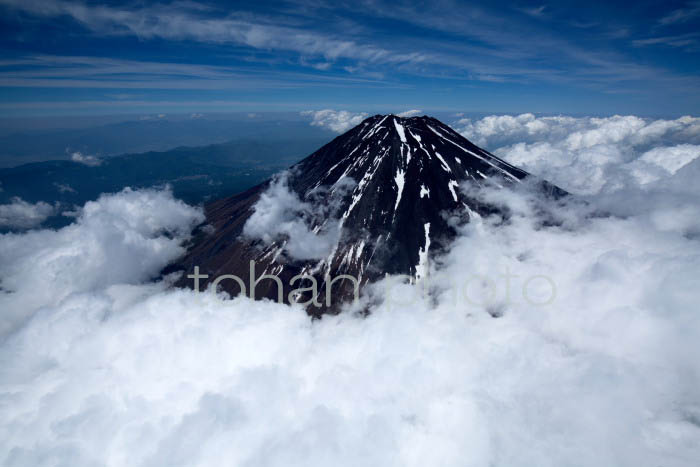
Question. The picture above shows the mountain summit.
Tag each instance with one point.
(382, 198)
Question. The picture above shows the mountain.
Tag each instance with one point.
(196, 174)
(386, 193)
(138, 136)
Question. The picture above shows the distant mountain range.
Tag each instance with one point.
(196, 174)
(153, 134)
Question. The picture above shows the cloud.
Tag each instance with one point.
(338, 121)
(99, 72)
(409, 113)
(681, 15)
(186, 21)
(120, 238)
(673, 158)
(689, 41)
(80, 158)
(485, 51)
(535, 12)
(281, 217)
(592, 355)
(20, 214)
(587, 155)
(64, 188)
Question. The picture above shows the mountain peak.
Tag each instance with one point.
(382, 198)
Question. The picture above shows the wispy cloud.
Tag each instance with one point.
(688, 42)
(535, 12)
(184, 21)
(493, 52)
(101, 72)
(357, 46)
(495, 49)
(681, 15)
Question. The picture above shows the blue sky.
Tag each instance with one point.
(71, 57)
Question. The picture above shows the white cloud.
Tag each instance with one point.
(64, 188)
(671, 159)
(280, 216)
(112, 370)
(20, 214)
(536, 12)
(409, 113)
(338, 121)
(119, 238)
(681, 15)
(587, 155)
(81, 158)
(346, 45)
(184, 21)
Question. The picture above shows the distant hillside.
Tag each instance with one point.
(197, 174)
(144, 135)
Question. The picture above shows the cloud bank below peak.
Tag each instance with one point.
(569, 341)
(435, 381)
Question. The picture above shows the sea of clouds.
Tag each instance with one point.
(571, 342)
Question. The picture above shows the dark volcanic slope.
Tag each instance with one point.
(407, 174)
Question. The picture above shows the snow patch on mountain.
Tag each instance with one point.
(400, 181)
(400, 131)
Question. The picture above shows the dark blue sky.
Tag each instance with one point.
(72, 57)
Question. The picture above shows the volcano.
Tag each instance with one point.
(383, 198)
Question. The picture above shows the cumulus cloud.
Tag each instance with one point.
(20, 214)
(672, 158)
(81, 158)
(280, 216)
(591, 356)
(409, 113)
(587, 155)
(64, 188)
(121, 238)
(338, 121)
